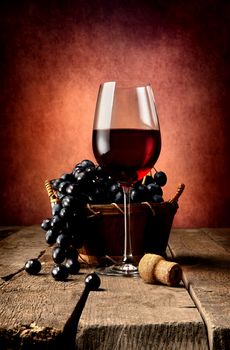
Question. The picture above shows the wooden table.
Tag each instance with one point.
(125, 313)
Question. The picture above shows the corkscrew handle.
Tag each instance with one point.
(179, 192)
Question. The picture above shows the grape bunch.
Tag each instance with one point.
(149, 189)
(87, 184)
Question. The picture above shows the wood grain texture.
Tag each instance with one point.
(124, 314)
(18, 244)
(35, 309)
(130, 314)
(204, 256)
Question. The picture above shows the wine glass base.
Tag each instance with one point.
(120, 269)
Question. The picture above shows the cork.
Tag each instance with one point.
(154, 268)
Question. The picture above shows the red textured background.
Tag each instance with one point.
(54, 55)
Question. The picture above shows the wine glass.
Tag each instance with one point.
(126, 143)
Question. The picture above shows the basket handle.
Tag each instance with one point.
(179, 192)
(51, 193)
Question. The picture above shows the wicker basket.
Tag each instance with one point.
(150, 228)
(104, 235)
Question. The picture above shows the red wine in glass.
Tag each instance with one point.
(126, 154)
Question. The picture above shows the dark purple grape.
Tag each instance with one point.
(139, 193)
(76, 171)
(33, 266)
(67, 177)
(92, 281)
(74, 202)
(114, 188)
(65, 213)
(72, 189)
(85, 181)
(46, 224)
(86, 163)
(115, 193)
(81, 179)
(55, 184)
(56, 209)
(73, 266)
(157, 198)
(68, 201)
(63, 186)
(90, 172)
(60, 272)
(51, 236)
(99, 172)
(63, 240)
(148, 180)
(58, 255)
(118, 198)
(160, 178)
(86, 166)
(56, 222)
(155, 189)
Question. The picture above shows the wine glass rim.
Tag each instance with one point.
(122, 85)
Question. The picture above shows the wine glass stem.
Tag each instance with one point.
(127, 255)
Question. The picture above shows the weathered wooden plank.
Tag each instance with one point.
(206, 261)
(220, 236)
(35, 309)
(6, 231)
(124, 314)
(130, 314)
(18, 245)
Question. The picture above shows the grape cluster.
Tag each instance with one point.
(149, 189)
(87, 184)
